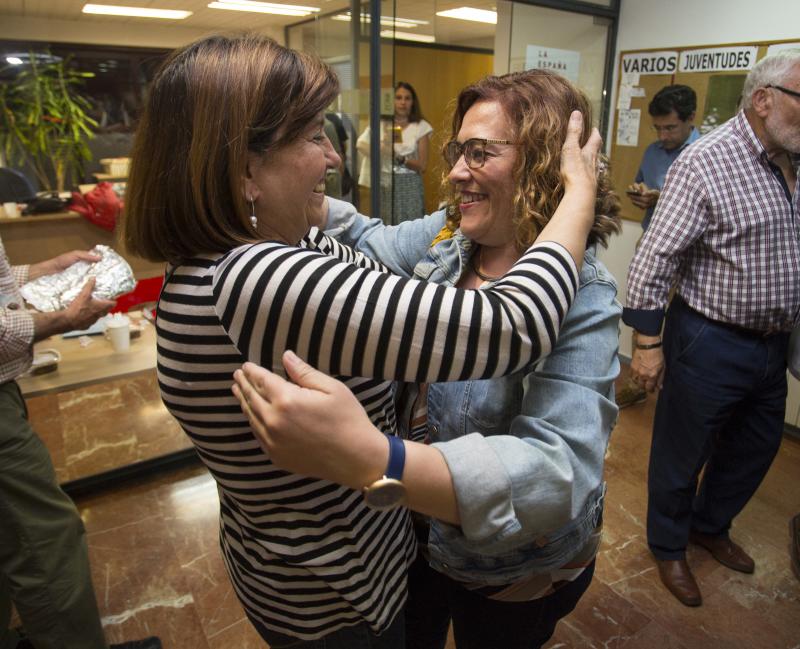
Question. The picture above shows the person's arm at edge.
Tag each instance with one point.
(60, 263)
(679, 220)
(528, 483)
(399, 247)
(82, 312)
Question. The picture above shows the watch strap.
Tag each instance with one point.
(397, 458)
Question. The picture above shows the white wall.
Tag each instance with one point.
(646, 24)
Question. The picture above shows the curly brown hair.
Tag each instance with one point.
(538, 103)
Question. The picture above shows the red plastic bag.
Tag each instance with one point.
(100, 206)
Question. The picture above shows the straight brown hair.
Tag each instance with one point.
(210, 104)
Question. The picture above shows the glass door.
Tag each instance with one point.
(578, 46)
(344, 39)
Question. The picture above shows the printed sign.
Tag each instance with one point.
(718, 59)
(650, 63)
(567, 63)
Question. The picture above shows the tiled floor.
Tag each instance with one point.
(157, 567)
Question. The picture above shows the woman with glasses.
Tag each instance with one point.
(233, 211)
(515, 497)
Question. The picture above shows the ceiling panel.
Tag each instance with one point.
(446, 30)
(202, 17)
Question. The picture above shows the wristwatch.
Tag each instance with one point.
(389, 492)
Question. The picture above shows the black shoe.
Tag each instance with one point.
(147, 643)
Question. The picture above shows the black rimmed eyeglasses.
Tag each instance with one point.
(473, 150)
(791, 93)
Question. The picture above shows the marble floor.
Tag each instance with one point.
(157, 567)
(105, 426)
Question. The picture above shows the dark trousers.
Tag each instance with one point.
(478, 622)
(44, 563)
(351, 637)
(722, 407)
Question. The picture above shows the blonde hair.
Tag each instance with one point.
(538, 103)
(210, 104)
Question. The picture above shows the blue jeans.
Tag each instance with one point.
(479, 622)
(351, 637)
(722, 406)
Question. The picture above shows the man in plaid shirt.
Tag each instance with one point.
(725, 234)
(44, 563)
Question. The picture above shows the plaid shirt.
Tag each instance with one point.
(16, 324)
(725, 232)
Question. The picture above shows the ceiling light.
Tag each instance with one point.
(24, 58)
(403, 23)
(264, 8)
(138, 12)
(408, 36)
(470, 13)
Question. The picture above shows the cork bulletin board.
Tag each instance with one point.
(715, 72)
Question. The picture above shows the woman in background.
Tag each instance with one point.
(409, 135)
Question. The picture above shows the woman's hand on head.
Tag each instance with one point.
(313, 425)
(573, 219)
(579, 164)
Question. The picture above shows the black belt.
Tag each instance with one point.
(743, 331)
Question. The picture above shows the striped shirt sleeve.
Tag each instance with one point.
(317, 240)
(349, 321)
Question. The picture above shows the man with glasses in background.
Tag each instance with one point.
(672, 110)
(724, 232)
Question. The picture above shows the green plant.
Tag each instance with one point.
(44, 121)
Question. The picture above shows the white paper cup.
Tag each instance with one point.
(119, 333)
(11, 210)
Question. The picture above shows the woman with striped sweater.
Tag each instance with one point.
(227, 187)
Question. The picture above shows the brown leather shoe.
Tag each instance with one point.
(679, 580)
(725, 551)
(794, 548)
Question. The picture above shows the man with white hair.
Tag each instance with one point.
(725, 233)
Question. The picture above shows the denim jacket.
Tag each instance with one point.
(525, 451)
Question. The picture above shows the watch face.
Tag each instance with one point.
(385, 494)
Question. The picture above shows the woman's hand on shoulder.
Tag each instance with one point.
(579, 164)
(312, 425)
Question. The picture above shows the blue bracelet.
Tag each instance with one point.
(397, 458)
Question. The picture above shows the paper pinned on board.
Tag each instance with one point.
(628, 127)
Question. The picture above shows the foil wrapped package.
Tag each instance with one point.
(113, 277)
